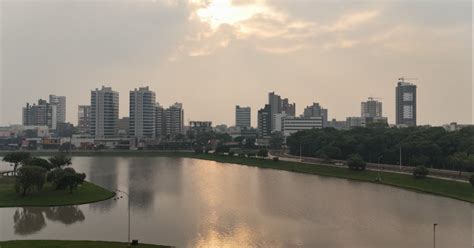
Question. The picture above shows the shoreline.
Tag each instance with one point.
(440, 187)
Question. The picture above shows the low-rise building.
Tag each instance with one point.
(294, 124)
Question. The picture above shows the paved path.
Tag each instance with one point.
(450, 175)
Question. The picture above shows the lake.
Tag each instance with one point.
(196, 203)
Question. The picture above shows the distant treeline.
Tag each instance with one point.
(428, 146)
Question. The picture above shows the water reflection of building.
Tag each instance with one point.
(103, 172)
(29, 220)
(140, 183)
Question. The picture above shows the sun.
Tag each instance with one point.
(218, 12)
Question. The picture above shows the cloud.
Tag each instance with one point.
(265, 28)
(352, 20)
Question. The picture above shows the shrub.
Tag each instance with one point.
(29, 178)
(355, 162)
(276, 159)
(471, 180)
(251, 155)
(231, 153)
(420, 172)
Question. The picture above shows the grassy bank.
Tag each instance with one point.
(86, 193)
(68, 244)
(457, 190)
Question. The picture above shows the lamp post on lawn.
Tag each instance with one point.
(128, 196)
(379, 177)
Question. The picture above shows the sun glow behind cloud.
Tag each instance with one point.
(219, 12)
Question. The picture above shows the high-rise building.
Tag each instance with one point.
(60, 102)
(174, 119)
(316, 110)
(265, 122)
(405, 103)
(278, 106)
(42, 114)
(371, 108)
(104, 112)
(242, 117)
(84, 118)
(278, 121)
(160, 121)
(288, 108)
(142, 113)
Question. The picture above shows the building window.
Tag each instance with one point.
(408, 112)
(407, 96)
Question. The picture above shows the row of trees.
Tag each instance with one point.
(420, 146)
(33, 172)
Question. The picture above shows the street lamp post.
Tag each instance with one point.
(379, 177)
(434, 234)
(128, 196)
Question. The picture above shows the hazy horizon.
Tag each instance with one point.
(213, 55)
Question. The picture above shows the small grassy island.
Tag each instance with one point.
(48, 196)
(68, 244)
(42, 182)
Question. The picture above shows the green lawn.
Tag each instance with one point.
(68, 244)
(85, 193)
(452, 189)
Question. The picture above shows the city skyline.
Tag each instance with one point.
(232, 61)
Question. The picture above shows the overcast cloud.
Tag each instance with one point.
(212, 55)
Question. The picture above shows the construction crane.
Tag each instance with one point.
(402, 79)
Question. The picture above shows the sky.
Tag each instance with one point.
(211, 55)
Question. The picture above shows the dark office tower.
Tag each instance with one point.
(264, 122)
(406, 103)
(278, 106)
(274, 101)
(142, 114)
(104, 112)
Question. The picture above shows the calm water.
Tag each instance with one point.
(195, 203)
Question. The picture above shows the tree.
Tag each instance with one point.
(66, 178)
(41, 162)
(72, 179)
(28, 178)
(249, 143)
(60, 160)
(461, 161)
(355, 162)
(16, 158)
(276, 140)
(263, 152)
(420, 172)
